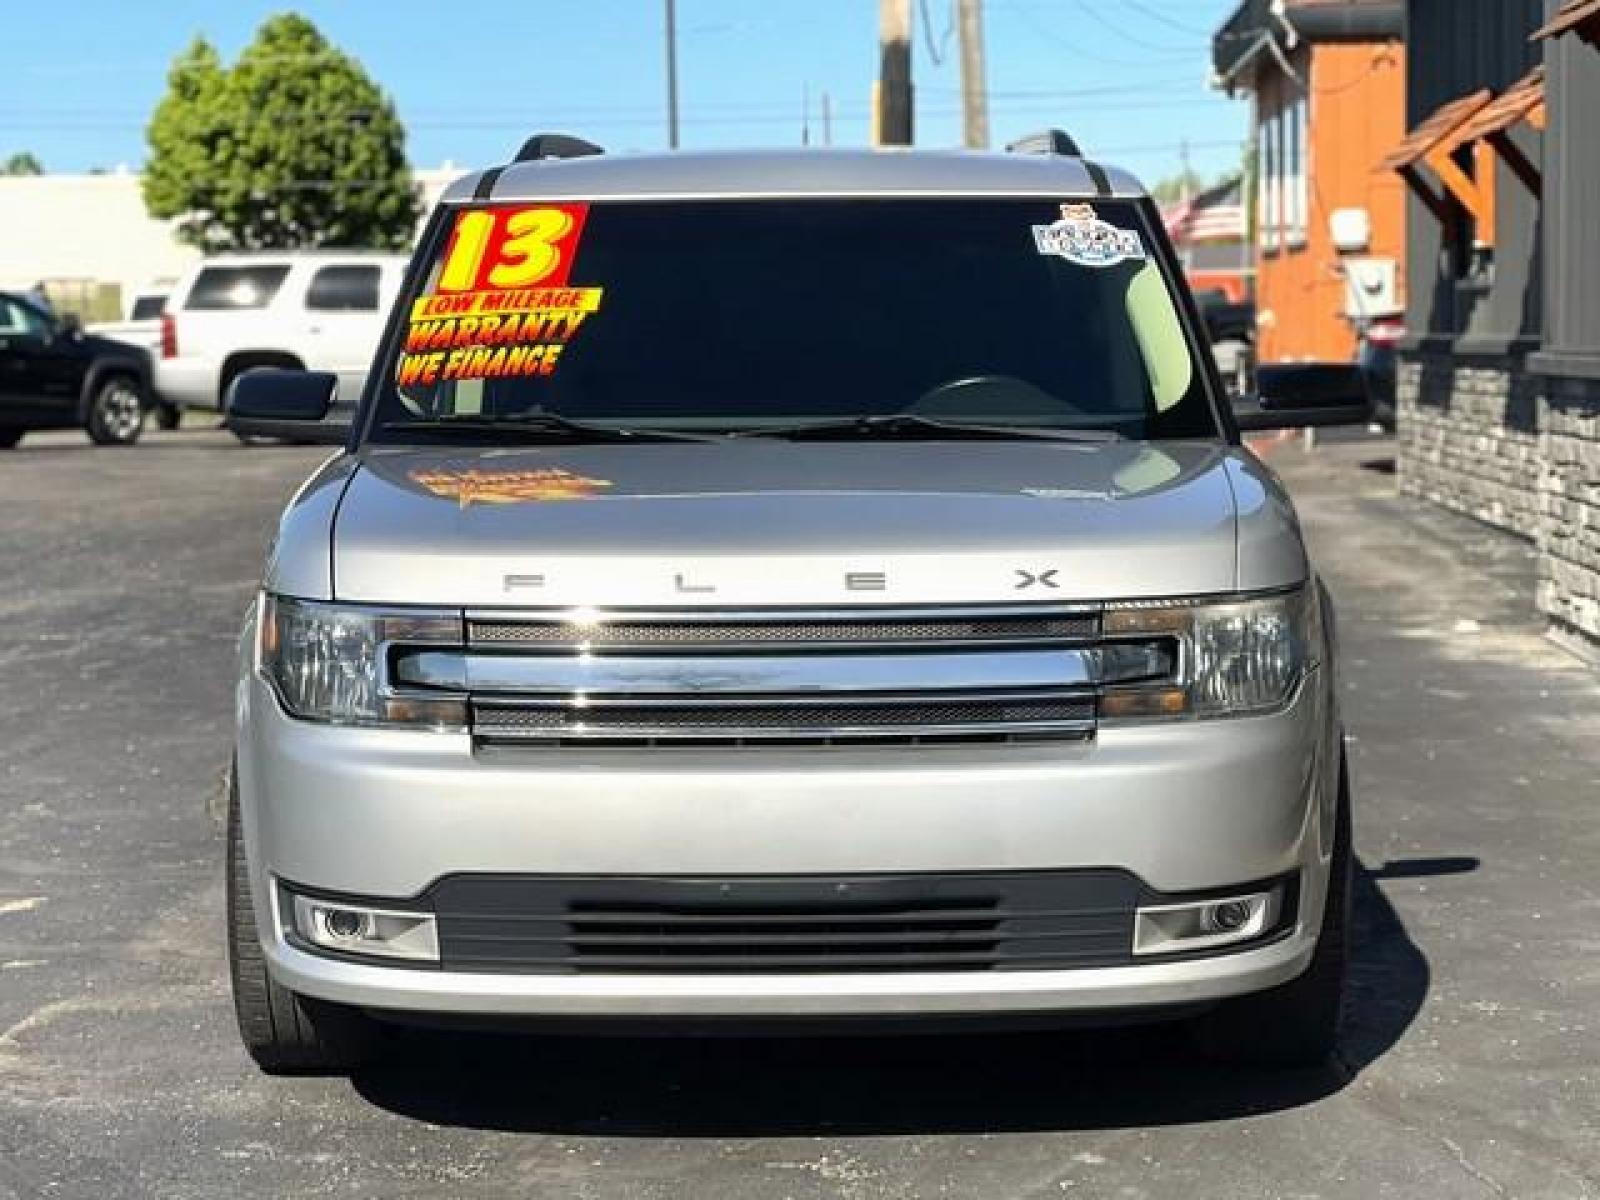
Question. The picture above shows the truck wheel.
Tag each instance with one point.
(168, 416)
(1295, 1024)
(284, 1032)
(116, 414)
(10, 437)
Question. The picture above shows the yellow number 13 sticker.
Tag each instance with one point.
(494, 248)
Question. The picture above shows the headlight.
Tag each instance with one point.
(1238, 657)
(328, 662)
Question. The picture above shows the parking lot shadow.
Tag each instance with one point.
(768, 1087)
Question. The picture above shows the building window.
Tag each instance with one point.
(1269, 152)
(1283, 166)
(1295, 175)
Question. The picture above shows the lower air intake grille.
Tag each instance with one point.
(740, 924)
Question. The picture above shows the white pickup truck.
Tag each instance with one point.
(141, 326)
(313, 310)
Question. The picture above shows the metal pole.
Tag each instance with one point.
(891, 94)
(672, 74)
(974, 89)
(827, 119)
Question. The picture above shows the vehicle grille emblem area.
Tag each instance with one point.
(1028, 579)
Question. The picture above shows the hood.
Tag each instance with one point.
(769, 522)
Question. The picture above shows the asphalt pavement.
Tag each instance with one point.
(1471, 1065)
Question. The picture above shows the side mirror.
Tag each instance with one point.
(1303, 396)
(291, 406)
(270, 396)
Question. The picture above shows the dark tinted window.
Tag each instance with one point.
(344, 289)
(732, 313)
(235, 287)
(18, 319)
(147, 308)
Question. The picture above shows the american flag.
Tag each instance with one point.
(1214, 215)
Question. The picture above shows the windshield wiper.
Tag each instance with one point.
(540, 426)
(910, 425)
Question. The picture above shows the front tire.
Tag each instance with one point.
(10, 437)
(116, 413)
(1295, 1024)
(285, 1033)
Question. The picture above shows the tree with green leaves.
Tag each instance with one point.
(22, 163)
(294, 146)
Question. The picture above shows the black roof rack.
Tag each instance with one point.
(1046, 141)
(556, 145)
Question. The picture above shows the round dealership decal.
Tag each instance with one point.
(1082, 237)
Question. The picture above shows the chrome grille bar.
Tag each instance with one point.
(792, 674)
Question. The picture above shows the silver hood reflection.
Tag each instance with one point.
(767, 522)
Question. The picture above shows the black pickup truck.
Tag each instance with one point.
(53, 375)
(1225, 320)
(1232, 330)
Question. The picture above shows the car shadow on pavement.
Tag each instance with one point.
(772, 1087)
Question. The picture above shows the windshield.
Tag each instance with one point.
(735, 315)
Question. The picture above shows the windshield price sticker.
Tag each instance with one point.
(1082, 237)
(501, 307)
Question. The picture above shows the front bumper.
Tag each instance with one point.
(1099, 989)
(1186, 807)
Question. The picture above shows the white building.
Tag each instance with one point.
(87, 231)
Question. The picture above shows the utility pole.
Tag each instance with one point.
(974, 89)
(891, 94)
(672, 74)
(827, 119)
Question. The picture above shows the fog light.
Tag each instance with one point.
(343, 923)
(1228, 916)
(356, 929)
(1203, 924)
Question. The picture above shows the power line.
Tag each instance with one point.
(1099, 91)
(1161, 18)
(1101, 19)
(936, 50)
(1096, 57)
(773, 115)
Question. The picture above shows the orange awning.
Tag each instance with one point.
(1582, 15)
(1440, 127)
(1522, 100)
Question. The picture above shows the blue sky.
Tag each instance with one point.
(1126, 77)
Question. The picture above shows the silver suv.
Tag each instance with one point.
(794, 588)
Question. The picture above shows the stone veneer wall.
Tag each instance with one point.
(1569, 507)
(1468, 437)
(1486, 437)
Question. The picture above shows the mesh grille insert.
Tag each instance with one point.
(675, 632)
(924, 717)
